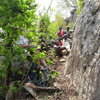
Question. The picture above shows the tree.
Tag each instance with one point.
(80, 6)
(71, 3)
(59, 19)
(44, 23)
(17, 17)
(75, 4)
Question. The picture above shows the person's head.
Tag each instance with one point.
(60, 28)
(68, 28)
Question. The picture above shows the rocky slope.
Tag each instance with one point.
(84, 59)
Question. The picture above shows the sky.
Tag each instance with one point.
(44, 4)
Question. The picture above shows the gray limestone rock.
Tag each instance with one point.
(84, 59)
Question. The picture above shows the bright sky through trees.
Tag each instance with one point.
(44, 4)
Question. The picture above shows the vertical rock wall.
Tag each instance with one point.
(84, 59)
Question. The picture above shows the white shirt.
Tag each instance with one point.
(66, 44)
(22, 40)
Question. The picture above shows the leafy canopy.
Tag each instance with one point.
(17, 17)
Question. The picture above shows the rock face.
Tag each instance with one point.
(73, 15)
(84, 59)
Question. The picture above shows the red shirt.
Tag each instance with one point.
(60, 43)
(61, 33)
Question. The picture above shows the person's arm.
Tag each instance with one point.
(31, 40)
(26, 45)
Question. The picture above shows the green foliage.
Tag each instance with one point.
(17, 17)
(47, 29)
(59, 19)
(53, 28)
(13, 88)
(80, 6)
(44, 23)
(49, 61)
(54, 74)
(41, 55)
(72, 25)
(2, 91)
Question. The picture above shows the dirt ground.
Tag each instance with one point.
(63, 82)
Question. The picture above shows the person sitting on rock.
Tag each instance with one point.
(60, 32)
(60, 43)
(68, 32)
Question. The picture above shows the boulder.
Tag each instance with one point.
(84, 60)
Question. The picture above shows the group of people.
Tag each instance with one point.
(63, 42)
(63, 35)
